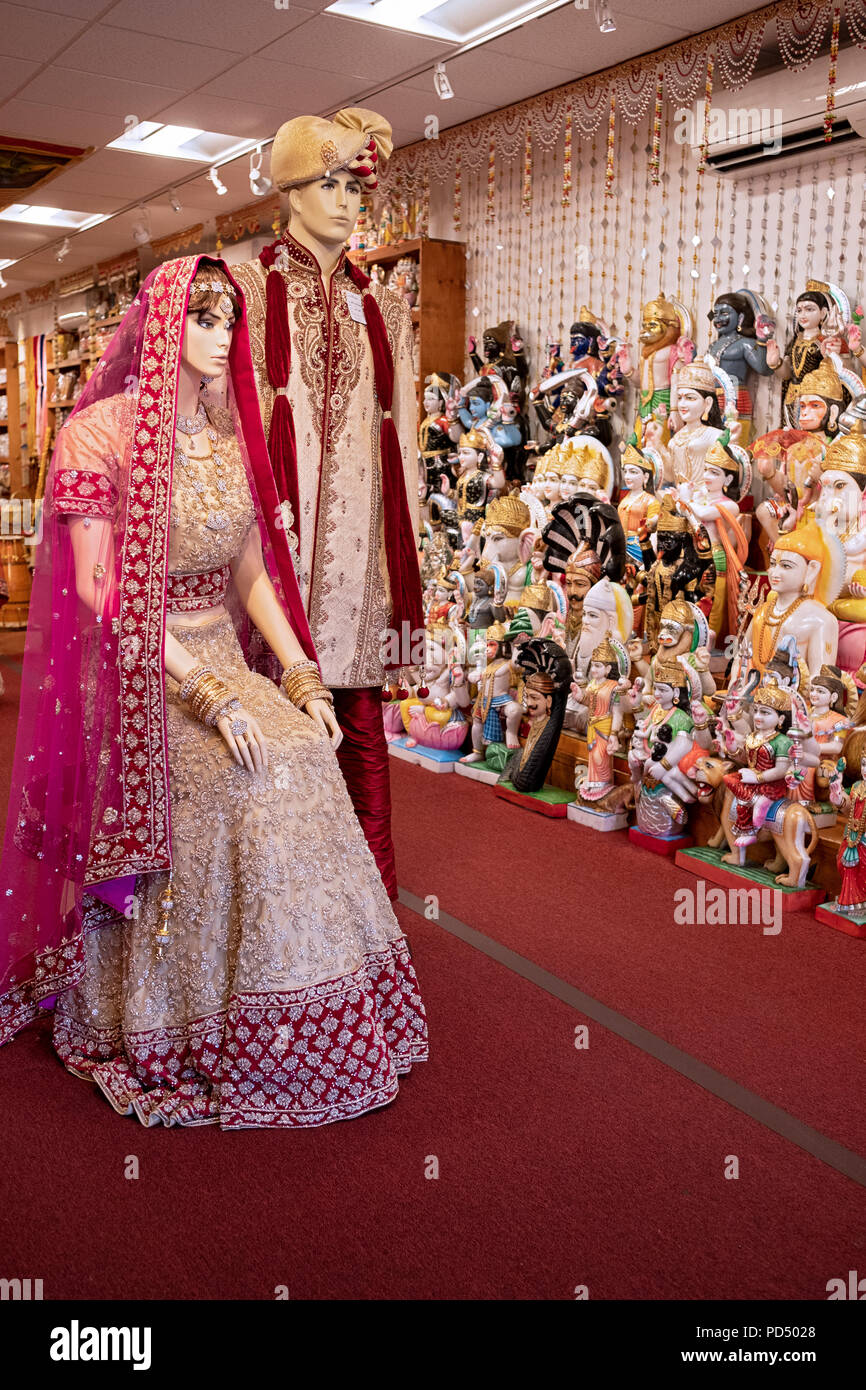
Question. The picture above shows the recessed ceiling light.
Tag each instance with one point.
(456, 21)
(50, 217)
(180, 142)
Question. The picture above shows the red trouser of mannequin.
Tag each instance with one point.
(363, 759)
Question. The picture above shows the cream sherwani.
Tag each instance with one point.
(343, 568)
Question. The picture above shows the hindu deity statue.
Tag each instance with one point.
(666, 337)
(600, 696)
(504, 357)
(445, 603)
(476, 399)
(790, 459)
(434, 441)
(676, 570)
(840, 509)
(476, 481)
(683, 636)
(591, 349)
(508, 431)
(507, 538)
(806, 573)
(851, 856)
(483, 609)
(641, 473)
(762, 779)
(547, 674)
(437, 553)
(565, 405)
(832, 701)
(496, 701)
(585, 465)
(743, 325)
(547, 479)
(607, 610)
(696, 408)
(435, 716)
(582, 571)
(819, 319)
(713, 504)
(663, 748)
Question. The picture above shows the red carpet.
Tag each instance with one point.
(782, 1015)
(557, 1167)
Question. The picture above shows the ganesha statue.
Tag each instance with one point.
(436, 715)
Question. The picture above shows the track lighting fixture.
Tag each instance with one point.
(63, 250)
(217, 181)
(441, 85)
(259, 182)
(174, 201)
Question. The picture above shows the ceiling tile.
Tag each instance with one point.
(109, 96)
(37, 121)
(210, 112)
(410, 105)
(26, 33)
(331, 43)
(299, 88)
(182, 65)
(74, 9)
(493, 77)
(51, 196)
(217, 23)
(570, 38)
(14, 72)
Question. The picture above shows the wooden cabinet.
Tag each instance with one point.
(439, 317)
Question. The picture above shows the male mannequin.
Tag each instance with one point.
(326, 345)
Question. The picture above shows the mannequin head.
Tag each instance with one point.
(325, 210)
(211, 314)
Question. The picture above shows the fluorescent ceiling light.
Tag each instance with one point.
(50, 217)
(456, 21)
(180, 142)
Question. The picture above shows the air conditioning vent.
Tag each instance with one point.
(739, 158)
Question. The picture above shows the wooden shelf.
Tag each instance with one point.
(440, 318)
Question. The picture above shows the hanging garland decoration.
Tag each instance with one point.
(491, 182)
(708, 101)
(657, 128)
(831, 80)
(801, 29)
(855, 14)
(566, 160)
(737, 50)
(611, 135)
(458, 188)
(526, 199)
(589, 101)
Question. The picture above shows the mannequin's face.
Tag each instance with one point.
(207, 339)
(327, 209)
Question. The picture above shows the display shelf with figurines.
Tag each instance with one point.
(14, 553)
(431, 275)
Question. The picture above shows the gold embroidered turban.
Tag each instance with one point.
(309, 147)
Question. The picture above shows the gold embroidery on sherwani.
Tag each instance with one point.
(344, 581)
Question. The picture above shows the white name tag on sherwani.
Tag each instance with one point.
(355, 305)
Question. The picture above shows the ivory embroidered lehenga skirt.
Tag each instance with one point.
(287, 996)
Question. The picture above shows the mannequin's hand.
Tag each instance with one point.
(248, 749)
(322, 714)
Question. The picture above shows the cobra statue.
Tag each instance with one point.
(548, 673)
